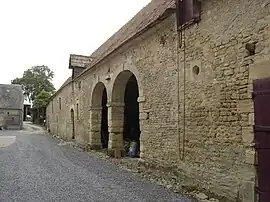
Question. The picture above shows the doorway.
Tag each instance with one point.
(73, 123)
(99, 132)
(104, 121)
(261, 99)
(131, 116)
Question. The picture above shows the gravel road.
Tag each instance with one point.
(33, 167)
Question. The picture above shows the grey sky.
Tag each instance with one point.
(37, 32)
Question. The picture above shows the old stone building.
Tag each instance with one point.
(11, 106)
(189, 92)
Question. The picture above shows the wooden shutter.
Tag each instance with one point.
(187, 11)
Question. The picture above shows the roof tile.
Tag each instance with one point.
(148, 15)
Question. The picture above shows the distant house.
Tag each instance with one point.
(27, 110)
(11, 106)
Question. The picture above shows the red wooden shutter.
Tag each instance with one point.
(187, 11)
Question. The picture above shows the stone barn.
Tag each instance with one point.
(191, 80)
(11, 106)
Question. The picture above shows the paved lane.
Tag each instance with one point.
(34, 168)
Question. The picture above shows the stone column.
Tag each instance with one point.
(95, 128)
(143, 117)
(116, 129)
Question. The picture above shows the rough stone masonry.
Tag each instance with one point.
(11, 106)
(209, 144)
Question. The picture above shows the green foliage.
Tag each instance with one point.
(42, 99)
(36, 83)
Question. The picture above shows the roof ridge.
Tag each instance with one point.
(145, 17)
(149, 13)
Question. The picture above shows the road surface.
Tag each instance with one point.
(33, 167)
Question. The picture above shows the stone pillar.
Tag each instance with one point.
(95, 128)
(116, 129)
(143, 117)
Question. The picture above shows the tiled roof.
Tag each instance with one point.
(79, 61)
(145, 17)
(149, 14)
(65, 83)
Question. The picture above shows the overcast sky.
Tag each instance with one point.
(37, 32)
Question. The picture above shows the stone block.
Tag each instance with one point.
(116, 153)
(245, 106)
(259, 70)
(144, 115)
(116, 129)
(247, 135)
(229, 72)
(250, 157)
(141, 99)
(251, 119)
(95, 127)
(247, 191)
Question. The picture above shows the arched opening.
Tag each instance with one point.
(125, 110)
(104, 121)
(99, 134)
(131, 115)
(72, 123)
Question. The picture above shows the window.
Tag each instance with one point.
(79, 84)
(196, 70)
(60, 107)
(77, 111)
(52, 106)
(187, 12)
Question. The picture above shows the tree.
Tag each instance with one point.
(36, 80)
(42, 99)
(38, 88)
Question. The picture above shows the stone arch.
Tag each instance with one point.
(98, 117)
(97, 94)
(125, 69)
(119, 85)
(117, 109)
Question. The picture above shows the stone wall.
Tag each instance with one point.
(11, 119)
(219, 108)
(211, 143)
(59, 119)
(11, 96)
(11, 106)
